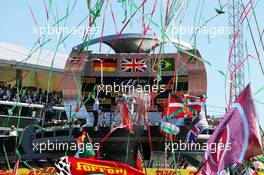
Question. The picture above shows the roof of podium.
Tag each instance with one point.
(22, 57)
(133, 43)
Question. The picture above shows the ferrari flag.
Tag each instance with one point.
(71, 166)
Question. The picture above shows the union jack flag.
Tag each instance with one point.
(198, 125)
(134, 65)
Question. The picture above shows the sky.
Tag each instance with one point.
(20, 19)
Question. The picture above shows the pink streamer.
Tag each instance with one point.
(46, 9)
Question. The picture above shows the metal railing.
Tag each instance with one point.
(37, 112)
(29, 105)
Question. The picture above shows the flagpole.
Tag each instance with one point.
(200, 168)
(141, 149)
(167, 112)
(261, 138)
(174, 159)
(128, 138)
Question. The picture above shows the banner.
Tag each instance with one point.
(84, 166)
(24, 171)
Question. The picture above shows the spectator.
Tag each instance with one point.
(54, 97)
(13, 94)
(13, 131)
(45, 96)
(39, 96)
(30, 97)
(16, 97)
(7, 92)
(96, 111)
(61, 102)
(1, 93)
(49, 110)
(24, 96)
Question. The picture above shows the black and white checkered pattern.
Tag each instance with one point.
(63, 166)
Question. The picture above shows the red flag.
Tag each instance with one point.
(139, 161)
(183, 105)
(245, 100)
(235, 138)
(127, 121)
(82, 166)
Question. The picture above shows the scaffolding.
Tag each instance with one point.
(235, 9)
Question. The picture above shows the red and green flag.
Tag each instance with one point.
(183, 105)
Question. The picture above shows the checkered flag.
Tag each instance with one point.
(63, 166)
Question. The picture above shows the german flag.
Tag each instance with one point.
(107, 66)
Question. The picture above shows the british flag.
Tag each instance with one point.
(198, 125)
(134, 65)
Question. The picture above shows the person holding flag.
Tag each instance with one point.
(180, 107)
(87, 151)
(198, 125)
(236, 137)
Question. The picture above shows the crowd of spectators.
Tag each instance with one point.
(29, 95)
(9, 93)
